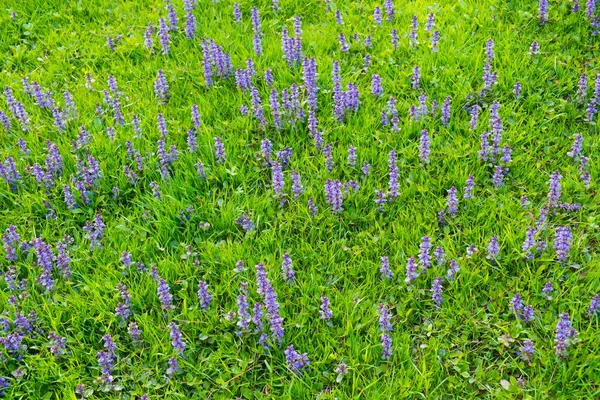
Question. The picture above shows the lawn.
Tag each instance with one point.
(299, 199)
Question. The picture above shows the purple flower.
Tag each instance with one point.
(148, 41)
(164, 295)
(529, 243)
(176, 339)
(237, 13)
(172, 15)
(11, 241)
(534, 48)
(440, 255)
(338, 17)
(386, 343)
(564, 336)
(474, 117)
(244, 317)
(57, 344)
(265, 289)
(424, 149)
(547, 289)
(555, 189)
(498, 177)
(469, 186)
(204, 296)
(489, 51)
(287, 270)
(393, 175)
(161, 87)
(416, 78)
(314, 210)
(454, 267)
(594, 307)
(543, 12)
(424, 256)
(95, 231)
(325, 309)
(446, 111)
(395, 38)
(296, 362)
(452, 201)
(377, 15)
(297, 189)
(517, 90)
(562, 242)
(527, 351)
(493, 247)
(344, 47)
(385, 271)
(164, 36)
(257, 31)
(384, 318)
(277, 179)
(245, 223)
(190, 25)
(430, 22)
(173, 368)
(435, 39)
(333, 194)
(413, 32)
(389, 9)
(411, 270)
(376, 87)
(436, 292)
(219, 150)
(576, 148)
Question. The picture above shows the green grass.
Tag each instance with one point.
(453, 352)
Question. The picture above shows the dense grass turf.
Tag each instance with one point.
(469, 347)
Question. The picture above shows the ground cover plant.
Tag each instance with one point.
(299, 199)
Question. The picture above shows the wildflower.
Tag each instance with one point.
(164, 36)
(395, 38)
(565, 335)
(134, 331)
(562, 242)
(498, 177)
(237, 13)
(534, 48)
(161, 87)
(424, 256)
(204, 296)
(57, 345)
(173, 367)
(297, 189)
(148, 41)
(176, 339)
(164, 295)
(219, 150)
(333, 194)
(446, 111)
(296, 362)
(594, 307)
(386, 343)
(286, 269)
(377, 17)
(452, 201)
(543, 12)
(454, 267)
(527, 350)
(243, 315)
(547, 289)
(384, 318)
(517, 89)
(325, 310)
(385, 271)
(95, 231)
(245, 223)
(413, 32)
(393, 175)
(376, 87)
(416, 78)
(190, 25)
(424, 149)
(493, 247)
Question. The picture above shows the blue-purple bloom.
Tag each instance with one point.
(296, 361)
(454, 267)
(376, 87)
(287, 270)
(176, 339)
(424, 256)
(333, 194)
(562, 242)
(384, 318)
(325, 309)
(565, 335)
(386, 343)
(452, 201)
(436, 292)
(385, 271)
(424, 148)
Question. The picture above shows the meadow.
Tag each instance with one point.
(299, 199)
